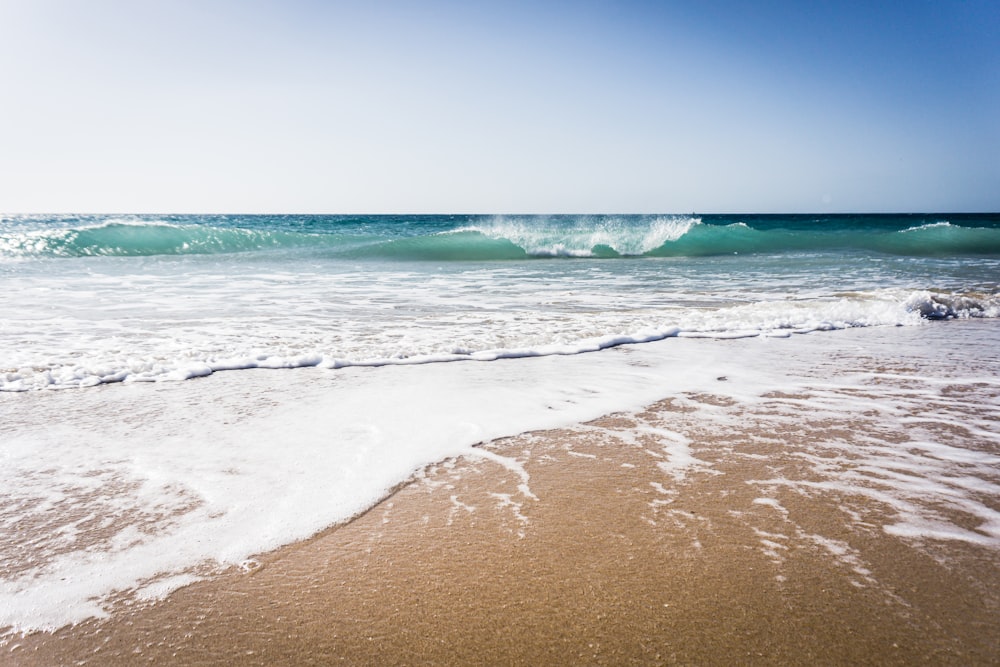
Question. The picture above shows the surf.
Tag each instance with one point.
(407, 339)
(142, 239)
(496, 238)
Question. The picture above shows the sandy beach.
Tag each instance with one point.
(703, 530)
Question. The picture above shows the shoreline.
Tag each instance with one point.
(706, 528)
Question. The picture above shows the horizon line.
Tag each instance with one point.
(496, 213)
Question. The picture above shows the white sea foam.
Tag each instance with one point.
(944, 224)
(625, 238)
(99, 329)
(132, 491)
(144, 488)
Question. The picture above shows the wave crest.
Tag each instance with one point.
(135, 239)
(480, 239)
(610, 237)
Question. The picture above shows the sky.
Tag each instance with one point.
(294, 106)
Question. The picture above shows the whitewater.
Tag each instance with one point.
(91, 300)
(183, 393)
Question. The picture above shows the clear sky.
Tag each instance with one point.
(499, 107)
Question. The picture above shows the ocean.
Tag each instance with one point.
(333, 344)
(98, 299)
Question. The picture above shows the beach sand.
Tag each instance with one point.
(700, 531)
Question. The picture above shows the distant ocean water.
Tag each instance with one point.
(96, 299)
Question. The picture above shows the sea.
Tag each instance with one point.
(181, 393)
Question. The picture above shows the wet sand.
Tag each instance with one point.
(628, 546)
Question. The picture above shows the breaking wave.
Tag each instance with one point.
(499, 239)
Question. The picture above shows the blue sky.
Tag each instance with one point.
(513, 107)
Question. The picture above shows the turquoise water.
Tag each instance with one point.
(106, 298)
(470, 238)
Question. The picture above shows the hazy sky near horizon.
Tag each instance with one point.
(512, 107)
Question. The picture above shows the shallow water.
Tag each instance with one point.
(128, 491)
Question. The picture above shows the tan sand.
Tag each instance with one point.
(622, 556)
